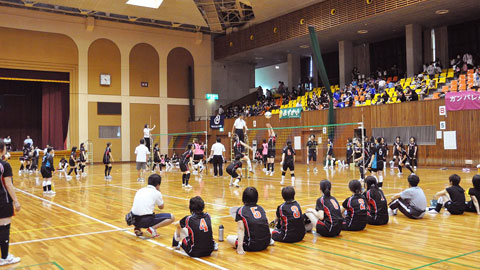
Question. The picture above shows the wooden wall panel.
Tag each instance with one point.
(420, 113)
(289, 26)
(141, 114)
(94, 121)
(104, 58)
(144, 67)
(178, 61)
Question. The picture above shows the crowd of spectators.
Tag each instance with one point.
(373, 90)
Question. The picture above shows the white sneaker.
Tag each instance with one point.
(10, 260)
(69, 178)
(399, 174)
(281, 183)
(188, 186)
(308, 169)
(231, 182)
(326, 167)
(183, 185)
(432, 212)
(272, 242)
(215, 246)
(152, 232)
(236, 183)
(51, 192)
(271, 173)
(293, 183)
(109, 177)
(20, 173)
(392, 212)
(78, 176)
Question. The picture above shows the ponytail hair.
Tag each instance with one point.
(371, 182)
(326, 187)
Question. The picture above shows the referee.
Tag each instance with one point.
(217, 157)
(238, 127)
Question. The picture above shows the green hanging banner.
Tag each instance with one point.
(290, 113)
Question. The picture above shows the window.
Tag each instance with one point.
(109, 132)
(425, 135)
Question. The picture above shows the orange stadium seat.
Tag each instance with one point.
(445, 88)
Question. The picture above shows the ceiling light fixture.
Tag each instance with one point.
(145, 3)
(362, 31)
(258, 58)
(277, 67)
(441, 11)
(304, 46)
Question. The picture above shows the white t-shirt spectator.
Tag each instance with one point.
(382, 83)
(218, 149)
(239, 124)
(28, 141)
(145, 201)
(141, 151)
(7, 141)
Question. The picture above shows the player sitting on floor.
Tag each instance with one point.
(235, 171)
(356, 208)
(290, 226)
(253, 231)
(411, 202)
(453, 198)
(288, 162)
(327, 215)
(194, 232)
(473, 205)
(377, 204)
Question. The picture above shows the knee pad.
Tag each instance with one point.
(292, 175)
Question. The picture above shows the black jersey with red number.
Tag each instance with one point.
(185, 158)
(5, 171)
(238, 147)
(332, 213)
(257, 233)
(289, 154)
(73, 157)
(200, 235)
(357, 211)
(377, 204)
(291, 221)
(234, 166)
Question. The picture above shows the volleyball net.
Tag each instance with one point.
(177, 142)
(342, 137)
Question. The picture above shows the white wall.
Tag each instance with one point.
(232, 81)
(268, 77)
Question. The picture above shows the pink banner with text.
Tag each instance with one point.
(465, 100)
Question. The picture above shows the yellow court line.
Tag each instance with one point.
(62, 226)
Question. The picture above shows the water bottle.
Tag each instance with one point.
(220, 233)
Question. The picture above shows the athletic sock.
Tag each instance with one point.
(44, 185)
(293, 177)
(273, 166)
(249, 164)
(21, 167)
(4, 239)
(109, 170)
(187, 178)
(49, 185)
(410, 168)
(106, 170)
(154, 165)
(183, 179)
(283, 176)
(380, 181)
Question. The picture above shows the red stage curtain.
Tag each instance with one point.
(55, 114)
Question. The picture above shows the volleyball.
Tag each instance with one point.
(268, 115)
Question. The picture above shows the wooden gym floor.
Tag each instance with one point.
(83, 226)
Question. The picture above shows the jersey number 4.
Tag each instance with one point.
(256, 214)
(296, 213)
(203, 225)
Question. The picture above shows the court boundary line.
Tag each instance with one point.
(446, 260)
(66, 236)
(406, 252)
(345, 256)
(116, 227)
(38, 264)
